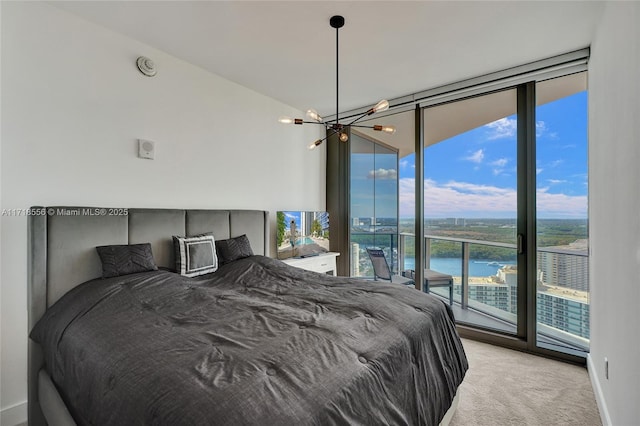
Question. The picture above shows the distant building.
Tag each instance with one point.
(497, 295)
(565, 266)
(355, 259)
(558, 307)
(508, 274)
(563, 313)
(323, 218)
(307, 219)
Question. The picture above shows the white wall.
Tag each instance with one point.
(614, 212)
(73, 105)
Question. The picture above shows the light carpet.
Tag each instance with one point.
(507, 387)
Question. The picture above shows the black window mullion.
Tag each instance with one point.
(526, 222)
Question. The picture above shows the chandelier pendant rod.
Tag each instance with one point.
(337, 22)
(337, 75)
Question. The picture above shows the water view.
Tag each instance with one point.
(452, 266)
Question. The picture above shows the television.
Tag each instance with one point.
(302, 233)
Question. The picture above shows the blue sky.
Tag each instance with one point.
(473, 174)
(289, 216)
(374, 175)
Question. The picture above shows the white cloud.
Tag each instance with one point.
(503, 128)
(405, 163)
(508, 127)
(556, 181)
(539, 170)
(383, 174)
(543, 131)
(561, 205)
(476, 157)
(457, 199)
(541, 128)
(499, 165)
(460, 199)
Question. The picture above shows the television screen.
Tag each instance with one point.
(302, 233)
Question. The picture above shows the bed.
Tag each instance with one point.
(256, 342)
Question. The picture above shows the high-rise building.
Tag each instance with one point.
(563, 313)
(355, 259)
(565, 266)
(307, 219)
(559, 307)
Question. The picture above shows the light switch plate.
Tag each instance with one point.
(146, 149)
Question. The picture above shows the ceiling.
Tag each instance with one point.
(286, 50)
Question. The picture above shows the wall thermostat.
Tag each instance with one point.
(146, 149)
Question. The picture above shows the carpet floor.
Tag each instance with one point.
(507, 387)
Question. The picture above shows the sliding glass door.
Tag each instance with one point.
(562, 287)
(471, 206)
(505, 211)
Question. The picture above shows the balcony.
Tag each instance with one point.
(489, 300)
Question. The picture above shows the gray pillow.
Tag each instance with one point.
(233, 249)
(195, 255)
(126, 259)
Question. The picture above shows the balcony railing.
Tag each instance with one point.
(386, 241)
(563, 306)
(464, 258)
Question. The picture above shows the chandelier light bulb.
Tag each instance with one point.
(344, 137)
(314, 144)
(383, 105)
(285, 120)
(387, 129)
(313, 115)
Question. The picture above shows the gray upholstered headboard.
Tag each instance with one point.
(62, 241)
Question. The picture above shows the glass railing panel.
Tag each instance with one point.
(493, 281)
(491, 287)
(360, 263)
(445, 256)
(563, 298)
(406, 252)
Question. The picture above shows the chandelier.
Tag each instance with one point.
(334, 126)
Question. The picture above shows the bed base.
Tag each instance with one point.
(52, 405)
(56, 412)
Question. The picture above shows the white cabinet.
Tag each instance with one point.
(323, 263)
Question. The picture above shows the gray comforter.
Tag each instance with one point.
(256, 343)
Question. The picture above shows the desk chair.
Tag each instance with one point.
(381, 268)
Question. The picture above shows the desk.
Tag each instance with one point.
(323, 263)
